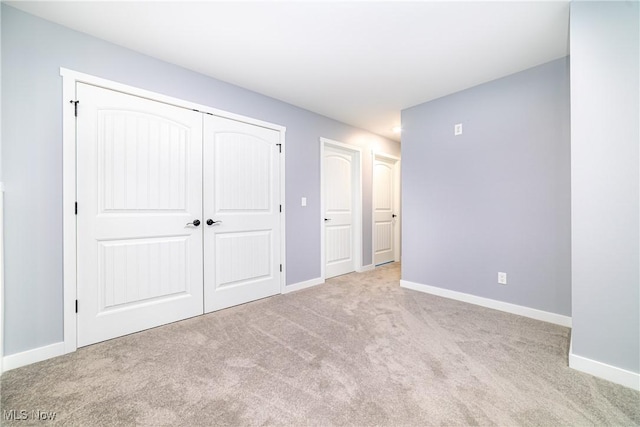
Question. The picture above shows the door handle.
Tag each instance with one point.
(211, 222)
(393, 215)
(195, 223)
(327, 219)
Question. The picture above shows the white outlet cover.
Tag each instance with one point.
(502, 278)
(303, 202)
(457, 129)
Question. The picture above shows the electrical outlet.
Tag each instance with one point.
(502, 278)
(303, 202)
(457, 129)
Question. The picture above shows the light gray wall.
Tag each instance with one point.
(605, 124)
(0, 142)
(33, 50)
(497, 197)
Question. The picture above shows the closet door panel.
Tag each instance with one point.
(139, 169)
(242, 212)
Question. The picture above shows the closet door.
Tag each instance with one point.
(139, 174)
(241, 212)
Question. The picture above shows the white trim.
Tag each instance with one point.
(33, 356)
(1, 277)
(78, 77)
(70, 79)
(303, 285)
(398, 201)
(397, 176)
(283, 222)
(384, 155)
(357, 210)
(365, 268)
(604, 371)
(520, 310)
(69, 254)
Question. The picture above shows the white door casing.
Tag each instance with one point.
(341, 208)
(386, 210)
(139, 172)
(1, 278)
(242, 212)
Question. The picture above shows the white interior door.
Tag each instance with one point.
(339, 205)
(385, 210)
(139, 184)
(241, 211)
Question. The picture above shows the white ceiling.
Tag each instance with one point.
(360, 62)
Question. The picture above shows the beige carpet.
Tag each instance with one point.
(358, 350)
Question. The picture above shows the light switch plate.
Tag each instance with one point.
(303, 202)
(457, 129)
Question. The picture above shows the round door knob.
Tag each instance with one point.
(209, 221)
(196, 222)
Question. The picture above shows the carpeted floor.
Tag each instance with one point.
(358, 350)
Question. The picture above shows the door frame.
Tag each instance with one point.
(397, 228)
(70, 78)
(357, 208)
(1, 278)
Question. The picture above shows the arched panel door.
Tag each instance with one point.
(384, 210)
(339, 211)
(139, 191)
(242, 212)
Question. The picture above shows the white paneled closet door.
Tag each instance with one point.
(339, 170)
(139, 169)
(241, 212)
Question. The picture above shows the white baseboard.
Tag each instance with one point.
(303, 285)
(32, 356)
(365, 268)
(520, 310)
(602, 370)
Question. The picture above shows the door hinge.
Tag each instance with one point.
(279, 148)
(76, 208)
(75, 107)
(76, 306)
(280, 268)
(280, 208)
